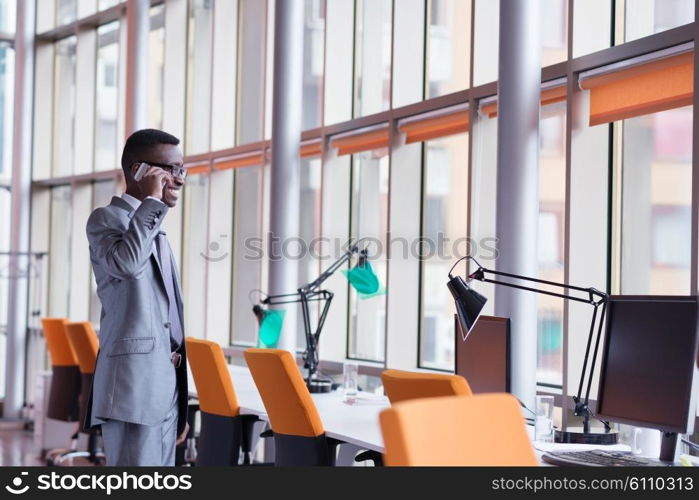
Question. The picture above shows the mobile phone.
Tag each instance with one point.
(141, 171)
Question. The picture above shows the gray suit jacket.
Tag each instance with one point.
(134, 377)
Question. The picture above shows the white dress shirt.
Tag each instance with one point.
(135, 202)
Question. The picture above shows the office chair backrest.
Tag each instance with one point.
(211, 377)
(484, 429)
(59, 348)
(284, 393)
(402, 385)
(66, 382)
(84, 343)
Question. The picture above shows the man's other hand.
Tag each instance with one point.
(183, 436)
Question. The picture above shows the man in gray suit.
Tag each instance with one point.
(139, 392)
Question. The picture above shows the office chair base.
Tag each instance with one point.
(58, 459)
(576, 435)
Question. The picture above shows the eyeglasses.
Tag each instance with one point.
(175, 172)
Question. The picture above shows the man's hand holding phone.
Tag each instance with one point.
(151, 180)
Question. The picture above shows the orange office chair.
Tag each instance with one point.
(64, 393)
(480, 430)
(85, 345)
(224, 431)
(65, 381)
(402, 385)
(299, 437)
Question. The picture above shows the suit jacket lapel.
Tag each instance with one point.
(154, 256)
(178, 296)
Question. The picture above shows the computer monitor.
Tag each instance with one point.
(483, 358)
(649, 363)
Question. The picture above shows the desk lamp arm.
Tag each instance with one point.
(595, 298)
(354, 248)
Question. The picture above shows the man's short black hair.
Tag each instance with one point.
(140, 140)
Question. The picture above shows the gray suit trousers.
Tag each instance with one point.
(134, 445)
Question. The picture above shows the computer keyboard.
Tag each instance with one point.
(599, 458)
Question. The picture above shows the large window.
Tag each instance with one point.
(554, 35)
(64, 107)
(104, 4)
(8, 10)
(369, 219)
(592, 26)
(313, 55)
(645, 17)
(448, 46)
(194, 265)
(487, 41)
(445, 212)
(373, 56)
(309, 234)
(59, 256)
(4, 268)
(251, 88)
(199, 77)
(248, 252)
(224, 76)
(339, 68)
(156, 62)
(107, 97)
(622, 222)
(552, 202)
(7, 90)
(66, 11)
(217, 250)
(656, 203)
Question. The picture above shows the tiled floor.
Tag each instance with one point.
(17, 448)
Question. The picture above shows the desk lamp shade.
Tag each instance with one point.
(469, 303)
(271, 322)
(364, 280)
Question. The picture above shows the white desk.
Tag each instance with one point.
(357, 424)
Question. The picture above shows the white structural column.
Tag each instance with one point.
(138, 28)
(519, 87)
(286, 139)
(20, 215)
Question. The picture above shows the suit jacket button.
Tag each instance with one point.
(167, 325)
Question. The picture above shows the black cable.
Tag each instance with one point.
(692, 446)
(525, 407)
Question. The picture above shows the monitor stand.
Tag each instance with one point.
(668, 446)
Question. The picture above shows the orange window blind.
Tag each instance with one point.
(548, 96)
(432, 127)
(242, 160)
(200, 168)
(311, 148)
(642, 89)
(361, 141)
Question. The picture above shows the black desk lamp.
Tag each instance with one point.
(305, 294)
(469, 304)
